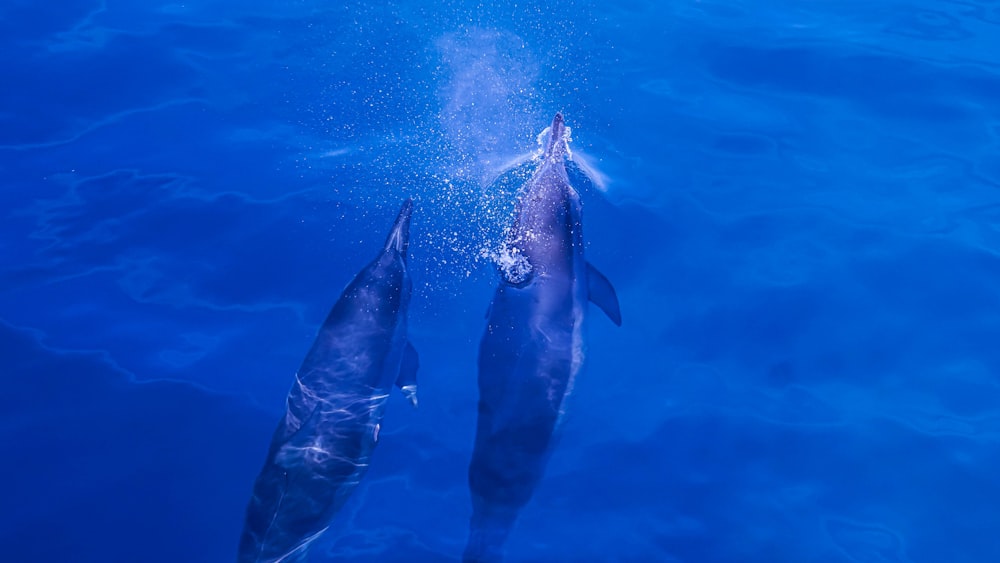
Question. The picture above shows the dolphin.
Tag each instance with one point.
(321, 448)
(532, 348)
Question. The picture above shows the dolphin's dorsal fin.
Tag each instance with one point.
(602, 293)
(407, 380)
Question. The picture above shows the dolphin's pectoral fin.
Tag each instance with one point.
(602, 293)
(407, 380)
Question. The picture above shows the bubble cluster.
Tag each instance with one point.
(514, 266)
(451, 120)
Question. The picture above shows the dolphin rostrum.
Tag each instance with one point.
(321, 448)
(532, 347)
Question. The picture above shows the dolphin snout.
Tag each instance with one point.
(399, 236)
(556, 132)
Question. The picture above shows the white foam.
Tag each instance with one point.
(513, 264)
(567, 137)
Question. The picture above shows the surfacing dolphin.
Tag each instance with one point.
(321, 448)
(532, 348)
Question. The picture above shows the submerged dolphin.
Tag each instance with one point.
(532, 348)
(321, 448)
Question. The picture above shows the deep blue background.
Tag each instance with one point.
(800, 211)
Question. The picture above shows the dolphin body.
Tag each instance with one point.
(321, 448)
(532, 347)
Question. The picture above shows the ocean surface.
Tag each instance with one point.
(798, 203)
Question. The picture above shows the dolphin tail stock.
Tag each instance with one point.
(301, 552)
(252, 548)
(490, 525)
(407, 380)
(399, 237)
(600, 292)
(301, 556)
(485, 543)
(483, 549)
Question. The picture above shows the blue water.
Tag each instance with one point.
(798, 203)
